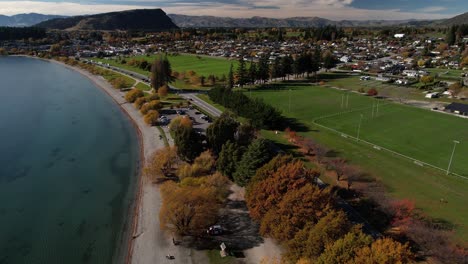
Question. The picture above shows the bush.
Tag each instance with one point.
(372, 92)
(133, 94)
(153, 97)
(152, 105)
(139, 102)
(151, 118)
(163, 91)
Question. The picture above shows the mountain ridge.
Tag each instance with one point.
(137, 19)
(258, 22)
(25, 20)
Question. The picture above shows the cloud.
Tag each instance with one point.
(432, 9)
(331, 9)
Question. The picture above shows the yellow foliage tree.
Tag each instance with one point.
(188, 210)
(151, 118)
(162, 163)
(133, 94)
(384, 250)
(163, 91)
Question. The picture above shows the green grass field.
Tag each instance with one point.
(201, 65)
(142, 86)
(446, 73)
(423, 134)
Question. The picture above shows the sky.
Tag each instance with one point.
(330, 9)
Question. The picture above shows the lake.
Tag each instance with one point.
(68, 167)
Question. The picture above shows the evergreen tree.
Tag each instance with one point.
(188, 142)
(252, 73)
(280, 34)
(228, 158)
(220, 131)
(316, 60)
(287, 65)
(263, 72)
(257, 154)
(328, 60)
(230, 83)
(242, 77)
(451, 35)
(161, 72)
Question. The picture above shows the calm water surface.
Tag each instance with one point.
(68, 159)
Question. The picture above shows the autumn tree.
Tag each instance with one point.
(257, 154)
(268, 169)
(222, 130)
(163, 91)
(202, 166)
(151, 118)
(133, 94)
(344, 249)
(384, 250)
(311, 241)
(151, 105)
(161, 163)
(188, 210)
(180, 121)
(139, 102)
(339, 166)
(372, 92)
(403, 211)
(267, 193)
(283, 221)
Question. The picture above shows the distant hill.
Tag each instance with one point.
(457, 20)
(24, 20)
(139, 19)
(261, 22)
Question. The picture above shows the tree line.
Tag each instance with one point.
(260, 114)
(281, 67)
(14, 33)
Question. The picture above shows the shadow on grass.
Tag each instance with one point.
(294, 124)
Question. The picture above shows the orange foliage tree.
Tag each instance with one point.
(267, 193)
(298, 207)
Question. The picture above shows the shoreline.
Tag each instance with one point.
(147, 141)
(129, 232)
(145, 241)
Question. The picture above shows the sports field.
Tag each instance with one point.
(421, 134)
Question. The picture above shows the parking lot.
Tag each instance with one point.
(200, 121)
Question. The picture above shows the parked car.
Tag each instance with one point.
(215, 230)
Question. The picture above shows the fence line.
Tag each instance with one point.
(375, 146)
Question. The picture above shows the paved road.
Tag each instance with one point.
(202, 104)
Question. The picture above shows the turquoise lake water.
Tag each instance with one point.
(68, 167)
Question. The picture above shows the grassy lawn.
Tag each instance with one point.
(111, 76)
(446, 73)
(143, 87)
(201, 65)
(215, 258)
(423, 134)
(384, 89)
